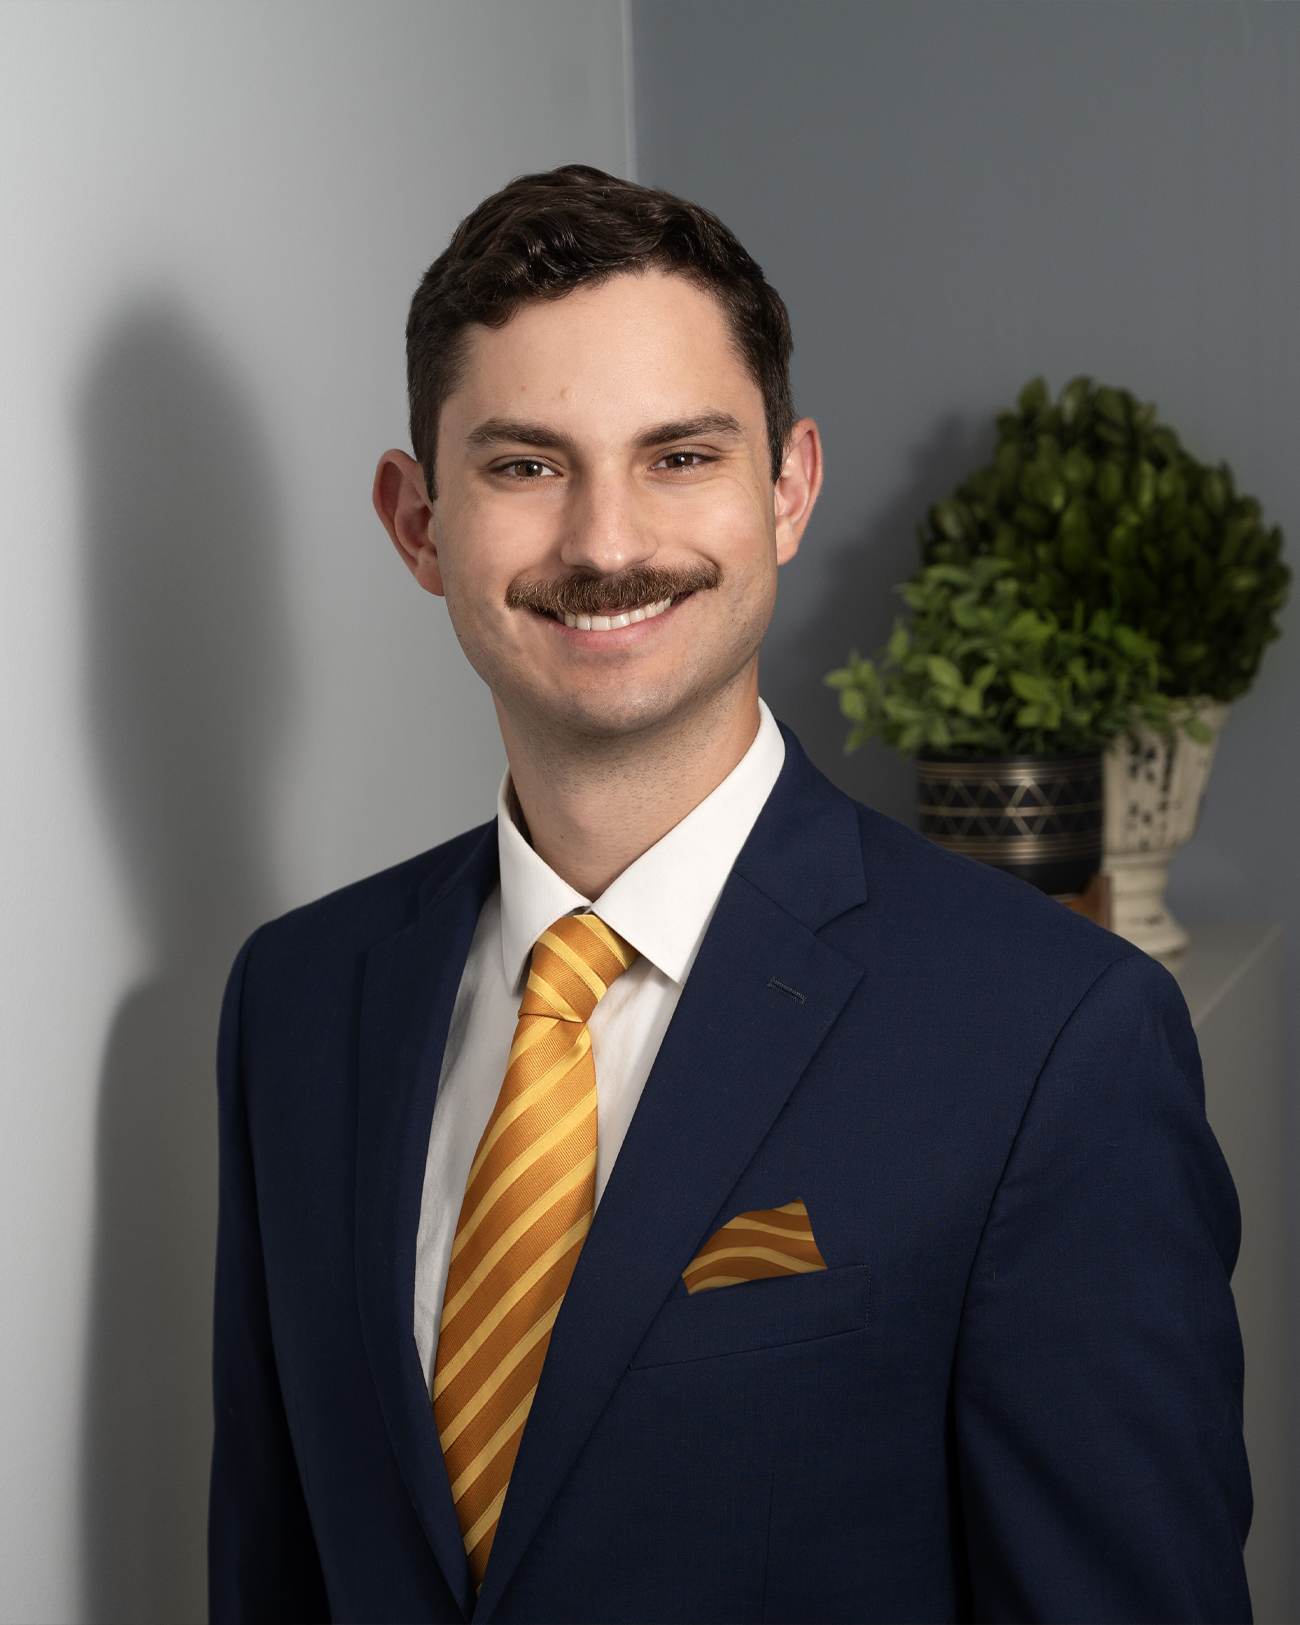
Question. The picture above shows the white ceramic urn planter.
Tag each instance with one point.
(1154, 789)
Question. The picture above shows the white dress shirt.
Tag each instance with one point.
(662, 905)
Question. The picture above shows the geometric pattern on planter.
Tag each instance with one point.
(1018, 810)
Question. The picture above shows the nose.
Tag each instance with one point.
(608, 530)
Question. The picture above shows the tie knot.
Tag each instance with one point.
(573, 966)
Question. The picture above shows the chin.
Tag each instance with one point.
(627, 700)
(608, 714)
(610, 717)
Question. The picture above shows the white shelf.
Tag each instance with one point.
(1231, 977)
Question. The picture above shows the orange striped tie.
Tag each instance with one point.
(527, 1210)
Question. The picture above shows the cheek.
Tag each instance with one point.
(725, 520)
(470, 591)
(745, 549)
(494, 542)
(473, 555)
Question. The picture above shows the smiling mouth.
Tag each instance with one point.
(612, 623)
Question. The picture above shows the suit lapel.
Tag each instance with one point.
(762, 996)
(410, 987)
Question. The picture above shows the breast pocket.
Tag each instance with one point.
(757, 1315)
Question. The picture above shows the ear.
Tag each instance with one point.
(796, 491)
(404, 510)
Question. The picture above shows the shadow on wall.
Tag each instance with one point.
(855, 609)
(186, 672)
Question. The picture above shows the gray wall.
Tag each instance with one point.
(220, 692)
(955, 196)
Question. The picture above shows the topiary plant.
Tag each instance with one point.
(978, 672)
(1092, 500)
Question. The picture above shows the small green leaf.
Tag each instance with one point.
(1033, 397)
(1029, 687)
(1029, 628)
(984, 676)
(950, 519)
(970, 701)
(900, 642)
(1073, 399)
(943, 672)
(1214, 490)
(853, 704)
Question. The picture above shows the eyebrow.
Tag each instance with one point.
(691, 429)
(515, 432)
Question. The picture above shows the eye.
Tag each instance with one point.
(524, 468)
(683, 460)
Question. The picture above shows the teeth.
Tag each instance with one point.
(611, 623)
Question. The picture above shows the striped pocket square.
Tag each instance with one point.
(754, 1246)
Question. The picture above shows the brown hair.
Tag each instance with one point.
(545, 235)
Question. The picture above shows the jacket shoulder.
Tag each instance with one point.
(893, 899)
(980, 923)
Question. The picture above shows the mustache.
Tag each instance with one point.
(590, 594)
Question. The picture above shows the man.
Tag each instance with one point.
(692, 1196)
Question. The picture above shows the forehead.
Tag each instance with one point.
(639, 345)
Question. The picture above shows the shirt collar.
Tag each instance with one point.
(662, 903)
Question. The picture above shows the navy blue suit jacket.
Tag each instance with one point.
(1014, 1394)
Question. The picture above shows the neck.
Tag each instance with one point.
(593, 806)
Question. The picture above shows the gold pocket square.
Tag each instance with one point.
(753, 1246)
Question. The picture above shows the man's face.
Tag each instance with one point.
(606, 531)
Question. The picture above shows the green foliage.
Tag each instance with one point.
(980, 671)
(1092, 500)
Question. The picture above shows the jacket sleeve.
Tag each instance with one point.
(1098, 1379)
(263, 1565)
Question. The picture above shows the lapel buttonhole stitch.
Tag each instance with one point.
(789, 992)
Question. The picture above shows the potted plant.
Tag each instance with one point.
(1008, 708)
(1092, 501)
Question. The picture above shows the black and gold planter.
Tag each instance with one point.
(1039, 817)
